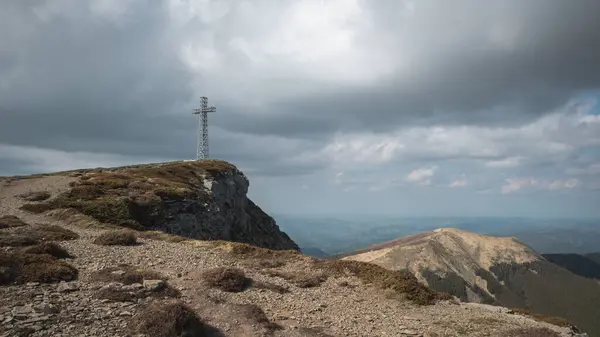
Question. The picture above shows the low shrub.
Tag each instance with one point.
(22, 268)
(227, 279)
(15, 240)
(10, 221)
(300, 279)
(35, 196)
(49, 248)
(116, 238)
(170, 320)
(125, 274)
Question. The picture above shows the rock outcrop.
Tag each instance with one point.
(198, 199)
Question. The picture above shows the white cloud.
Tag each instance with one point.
(504, 163)
(551, 138)
(422, 176)
(460, 182)
(516, 184)
(305, 187)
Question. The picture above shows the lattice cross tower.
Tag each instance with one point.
(202, 112)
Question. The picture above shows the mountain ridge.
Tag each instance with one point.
(105, 252)
(487, 269)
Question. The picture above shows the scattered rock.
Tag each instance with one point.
(153, 285)
(65, 287)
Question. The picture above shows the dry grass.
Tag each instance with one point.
(15, 240)
(116, 238)
(43, 268)
(246, 251)
(161, 236)
(171, 320)
(29, 236)
(35, 196)
(226, 279)
(125, 274)
(299, 278)
(558, 321)
(49, 248)
(48, 233)
(132, 196)
(533, 332)
(10, 221)
(115, 295)
(122, 295)
(400, 282)
(270, 286)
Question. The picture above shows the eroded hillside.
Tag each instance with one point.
(492, 270)
(95, 253)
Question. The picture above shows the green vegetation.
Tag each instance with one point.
(398, 281)
(133, 196)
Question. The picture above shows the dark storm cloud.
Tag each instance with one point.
(84, 82)
(79, 81)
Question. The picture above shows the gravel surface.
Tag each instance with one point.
(338, 307)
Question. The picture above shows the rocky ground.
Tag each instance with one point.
(288, 295)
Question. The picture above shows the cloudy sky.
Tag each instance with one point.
(393, 107)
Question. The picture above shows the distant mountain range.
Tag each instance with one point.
(495, 270)
(583, 265)
(341, 235)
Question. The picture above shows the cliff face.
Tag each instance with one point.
(197, 199)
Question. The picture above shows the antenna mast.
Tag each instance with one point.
(202, 145)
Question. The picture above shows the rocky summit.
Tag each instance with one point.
(177, 249)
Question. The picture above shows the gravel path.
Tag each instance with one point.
(338, 307)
